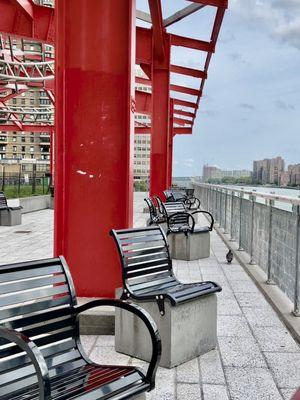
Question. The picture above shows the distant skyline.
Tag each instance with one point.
(250, 108)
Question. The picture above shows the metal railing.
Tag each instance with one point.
(266, 226)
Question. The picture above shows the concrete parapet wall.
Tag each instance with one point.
(34, 203)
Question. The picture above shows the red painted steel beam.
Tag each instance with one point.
(177, 69)
(143, 81)
(94, 137)
(183, 131)
(25, 19)
(143, 102)
(215, 3)
(160, 123)
(186, 90)
(26, 128)
(192, 43)
(184, 113)
(143, 46)
(185, 103)
(170, 144)
(182, 121)
(158, 29)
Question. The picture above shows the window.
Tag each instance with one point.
(31, 102)
(31, 148)
(23, 101)
(14, 101)
(23, 139)
(14, 138)
(23, 148)
(2, 138)
(32, 139)
(14, 148)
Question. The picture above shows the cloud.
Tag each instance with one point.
(284, 106)
(280, 17)
(247, 106)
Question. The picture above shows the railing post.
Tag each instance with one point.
(220, 207)
(296, 310)
(226, 203)
(216, 204)
(269, 279)
(252, 198)
(240, 228)
(231, 217)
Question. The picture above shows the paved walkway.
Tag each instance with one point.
(256, 357)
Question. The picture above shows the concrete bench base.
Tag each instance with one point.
(10, 217)
(187, 331)
(191, 247)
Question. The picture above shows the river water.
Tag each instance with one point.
(271, 190)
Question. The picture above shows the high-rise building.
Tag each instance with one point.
(268, 170)
(142, 142)
(294, 173)
(213, 172)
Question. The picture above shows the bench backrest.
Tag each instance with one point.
(3, 201)
(36, 298)
(151, 206)
(144, 256)
(173, 207)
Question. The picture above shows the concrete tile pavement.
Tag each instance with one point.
(256, 357)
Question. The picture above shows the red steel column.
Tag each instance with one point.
(160, 123)
(170, 147)
(95, 59)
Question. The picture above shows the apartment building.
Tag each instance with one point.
(268, 170)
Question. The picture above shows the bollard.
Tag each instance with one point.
(252, 198)
(269, 279)
(231, 217)
(240, 230)
(296, 311)
(226, 201)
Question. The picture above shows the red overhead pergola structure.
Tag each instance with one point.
(97, 47)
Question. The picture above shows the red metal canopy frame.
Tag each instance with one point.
(95, 105)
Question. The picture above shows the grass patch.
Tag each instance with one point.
(11, 191)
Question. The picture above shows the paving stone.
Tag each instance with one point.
(228, 306)
(261, 317)
(211, 368)
(240, 352)
(215, 392)
(251, 384)
(288, 393)
(88, 341)
(188, 372)
(164, 385)
(246, 286)
(188, 391)
(255, 300)
(275, 339)
(108, 356)
(286, 368)
(105, 340)
(233, 325)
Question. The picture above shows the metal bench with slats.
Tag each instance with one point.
(41, 356)
(9, 215)
(147, 269)
(156, 217)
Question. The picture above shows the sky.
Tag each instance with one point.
(251, 104)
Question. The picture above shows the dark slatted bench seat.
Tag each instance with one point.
(185, 313)
(9, 215)
(41, 356)
(147, 269)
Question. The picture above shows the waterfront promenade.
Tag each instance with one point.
(256, 358)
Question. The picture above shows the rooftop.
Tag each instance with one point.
(256, 358)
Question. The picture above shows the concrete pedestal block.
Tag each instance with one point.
(187, 331)
(194, 246)
(10, 217)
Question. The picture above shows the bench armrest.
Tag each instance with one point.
(36, 357)
(192, 201)
(15, 208)
(181, 216)
(212, 221)
(145, 317)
